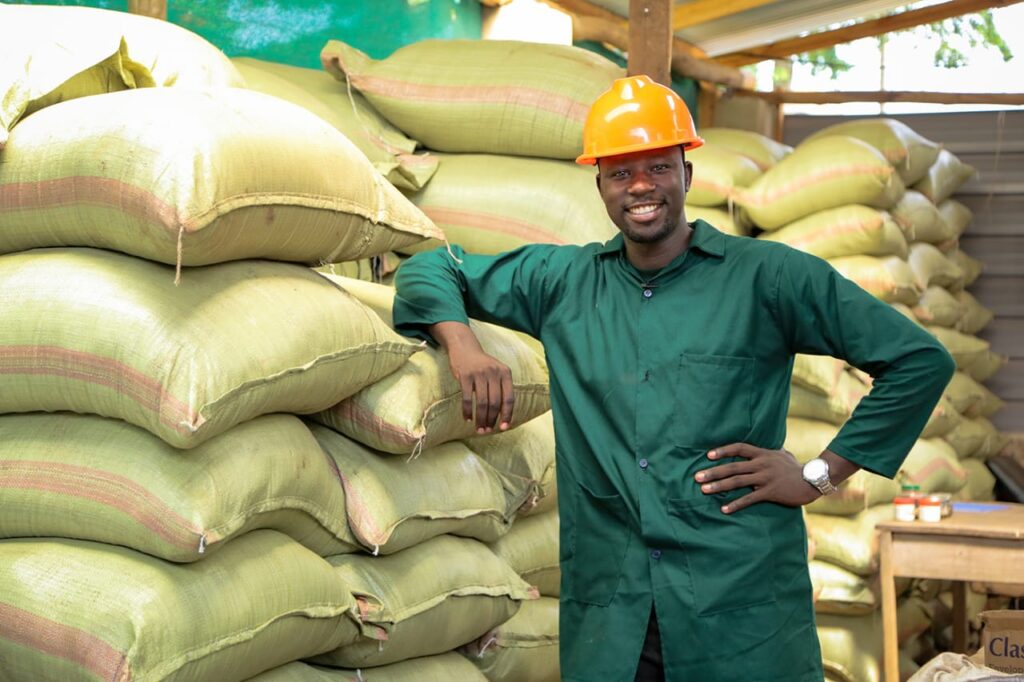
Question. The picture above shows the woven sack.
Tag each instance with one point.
(981, 483)
(850, 542)
(429, 599)
(527, 452)
(919, 219)
(74, 610)
(490, 204)
(934, 269)
(717, 174)
(964, 393)
(944, 177)
(390, 152)
(195, 177)
(729, 222)
(889, 279)
(976, 316)
(53, 54)
(481, 96)
(938, 307)
(525, 649)
(835, 408)
(844, 231)
(393, 504)
(531, 549)
(441, 668)
(976, 437)
(971, 267)
(762, 150)
(851, 646)
(98, 332)
(932, 466)
(821, 174)
(420, 405)
(818, 373)
(910, 153)
(965, 349)
(839, 592)
(90, 478)
(985, 364)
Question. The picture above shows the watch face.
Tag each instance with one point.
(815, 469)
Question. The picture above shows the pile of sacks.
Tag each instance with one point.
(874, 198)
(216, 461)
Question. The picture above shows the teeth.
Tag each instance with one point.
(643, 209)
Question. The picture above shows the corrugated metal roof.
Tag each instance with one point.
(769, 23)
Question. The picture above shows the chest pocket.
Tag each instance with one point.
(713, 400)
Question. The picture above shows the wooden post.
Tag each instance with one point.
(150, 8)
(890, 645)
(650, 39)
(707, 98)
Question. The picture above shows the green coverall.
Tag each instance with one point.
(646, 376)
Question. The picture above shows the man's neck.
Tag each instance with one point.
(652, 257)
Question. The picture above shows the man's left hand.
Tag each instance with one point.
(775, 476)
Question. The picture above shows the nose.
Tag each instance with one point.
(641, 183)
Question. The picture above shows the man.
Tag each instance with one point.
(670, 350)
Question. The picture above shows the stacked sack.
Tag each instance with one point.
(164, 512)
(842, 195)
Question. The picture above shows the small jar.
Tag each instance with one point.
(930, 509)
(946, 500)
(906, 508)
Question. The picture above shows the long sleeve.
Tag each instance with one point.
(509, 289)
(830, 315)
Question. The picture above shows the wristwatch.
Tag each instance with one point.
(816, 473)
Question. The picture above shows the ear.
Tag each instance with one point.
(688, 168)
(597, 178)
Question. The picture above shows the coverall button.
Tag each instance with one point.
(643, 463)
(648, 293)
(655, 553)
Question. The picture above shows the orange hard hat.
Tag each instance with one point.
(636, 114)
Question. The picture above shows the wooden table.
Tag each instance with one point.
(979, 542)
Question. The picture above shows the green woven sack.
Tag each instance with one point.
(429, 599)
(910, 153)
(98, 332)
(73, 610)
(845, 231)
(889, 279)
(718, 173)
(820, 174)
(932, 466)
(849, 542)
(938, 307)
(965, 349)
(932, 268)
(527, 452)
(195, 177)
(971, 266)
(851, 646)
(531, 549)
(818, 373)
(87, 477)
(944, 177)
(727, 221)
(390, 152)
(490, 204)
(450, 667)
(920, 220)
(481, 96)
(976, 316)
(835, 408)
(762, 150)
(839, 592)
(53, 54)
(393, 503)
(420, 405)
(525, 649)
(964, 393)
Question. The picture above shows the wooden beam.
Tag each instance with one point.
(786, 97)
(650, 40)
(150, 8)
(701, 11)
(866, 29)
(583, 8)
(615, 33)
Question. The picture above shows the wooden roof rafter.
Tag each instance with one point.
(700, 11)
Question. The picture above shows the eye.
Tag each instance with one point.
(661, 168)
(619, 174)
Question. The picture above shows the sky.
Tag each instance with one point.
(909, 66)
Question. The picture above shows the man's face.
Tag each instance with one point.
(644, 192)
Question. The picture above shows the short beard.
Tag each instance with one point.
(650, 237)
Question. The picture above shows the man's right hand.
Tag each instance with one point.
(480, 376)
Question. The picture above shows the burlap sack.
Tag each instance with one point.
(976, 316)
(971, 267)
(965, 393)
(390, 152)
(429, 599)
(849, 542)
(525, 649)
(420, 405)
(717, 174)
(531, 549)
(965, 349)
(86, 477)
(933, 269)
(944, 177)
(729, 222)
(101, 333)
(985, 364)
(75, 610)
(932, 466)
(441, 668)
(889, 279)
(919, 219)
(939, 307)
(481, 96)
(188, 177)
(762, 150)
(851, 646)
(393, 504)
(844, 231)
(910, 153)
(839, 592)
(981, 483)
(818, 373)
(835, 408)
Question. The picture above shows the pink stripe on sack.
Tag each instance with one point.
(491, 223)
(764, 198)
(95, 369)
(105, 488)
(85, 190)
(41, 634)
(836, 230)
(510, 95)
(349, 410)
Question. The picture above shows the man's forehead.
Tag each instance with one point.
(674, 153)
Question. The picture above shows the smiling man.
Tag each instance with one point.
(670, 350)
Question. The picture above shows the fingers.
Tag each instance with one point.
(736, 450)
(466, 384)
(743, 502)
(508, 399)
(724, 471)
(495, 398)
(732, 483)
(493, 402)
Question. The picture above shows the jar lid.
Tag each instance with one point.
(930, 502)
(903, 500)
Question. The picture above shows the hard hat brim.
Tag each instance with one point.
(687, 145)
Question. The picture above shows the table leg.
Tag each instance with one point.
(959, 616)
(889, 625)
